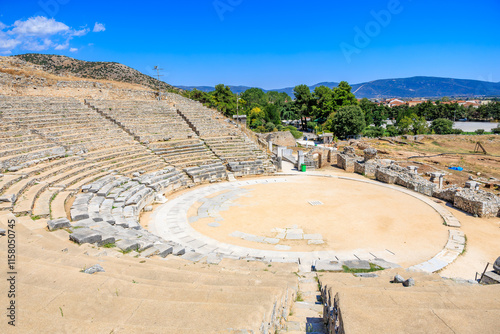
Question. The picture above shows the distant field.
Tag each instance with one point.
(469, 126)
(459, 148)
(473, 126)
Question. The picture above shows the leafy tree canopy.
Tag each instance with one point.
(348, 120)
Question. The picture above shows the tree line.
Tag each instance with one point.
(337, 110)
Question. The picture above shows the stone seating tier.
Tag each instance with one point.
(183, 153)
(64, 172)
(108, 211)
(148, 121)
(207, 173)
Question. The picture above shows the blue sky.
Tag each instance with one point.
(268, 44)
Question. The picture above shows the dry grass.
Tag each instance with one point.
(459, 149)
(14, 69)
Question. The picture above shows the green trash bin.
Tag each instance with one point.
(303, 167)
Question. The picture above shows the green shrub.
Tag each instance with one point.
(296, 134)
(373, 131)
(480, 131)
(269, 126)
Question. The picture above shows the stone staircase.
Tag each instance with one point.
(306, 315)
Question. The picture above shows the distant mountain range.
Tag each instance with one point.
(386, 88)
(403, 88)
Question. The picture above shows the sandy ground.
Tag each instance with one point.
(355, 217)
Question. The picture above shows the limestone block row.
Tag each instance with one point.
(203, 173)
(242, 168)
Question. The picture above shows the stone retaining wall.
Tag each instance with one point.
(480, 203)
(346, 162)
(242, 168)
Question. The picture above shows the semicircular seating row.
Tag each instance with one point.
(50, 147)
(107, 212)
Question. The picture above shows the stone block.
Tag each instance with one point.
(327, 265)
(178, 250)
(145, 244)
(272, 241)
(94, 269)
(106, 239)
(127, 245)
(315, 236)
(366, 275)
(409, 282)
(58, 224)
(79, 213)
(10, 198)
(214, 258)
(85, 236)
(193, 256)
(160, 250)
(357, 264)
(398, 279)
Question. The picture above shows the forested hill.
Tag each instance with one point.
(403, 87)
(61, 65)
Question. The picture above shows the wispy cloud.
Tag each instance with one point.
(79, 33)
(98, 27)
(40, 33)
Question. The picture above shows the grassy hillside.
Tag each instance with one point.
(62, 65)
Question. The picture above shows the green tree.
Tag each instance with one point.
(348, 120)
(404, 125)
(303, 102)
(442, 126)
(224, 99)
(272, 113)
(255, 97)
(342, 96)
(412, 124)
(323, 105)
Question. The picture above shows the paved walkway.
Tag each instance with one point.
(170, 221)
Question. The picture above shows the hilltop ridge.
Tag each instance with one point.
(99, 70)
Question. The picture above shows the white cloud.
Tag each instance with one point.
(79, 33)
(38, 26)
(99, 27)
(62, 46)
(40, 33)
